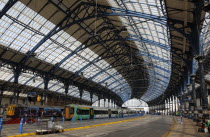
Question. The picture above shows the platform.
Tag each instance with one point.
(13, 129)
(187, 129)
(146, 126)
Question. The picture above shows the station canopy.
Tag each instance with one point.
(123, 46)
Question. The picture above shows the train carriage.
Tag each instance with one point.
(86, 112)
(32, 111)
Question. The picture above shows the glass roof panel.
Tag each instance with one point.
(154, 52)
(15, 33)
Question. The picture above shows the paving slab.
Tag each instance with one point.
(13, 129)
(149, 126)
(187, 128)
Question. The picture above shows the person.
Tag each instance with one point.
(54, 115)
(181, 117)
(5, 113)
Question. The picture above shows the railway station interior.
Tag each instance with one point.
(105, 68)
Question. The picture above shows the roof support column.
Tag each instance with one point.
(80, 95)
(180, 98)
(112, 103)
(91, 97)
(99, 99)
(197, 45)
(163, 106)
(66, 87)
(104, 101)
(203, 91)
(175, 105)
(1, 95)
(167, 107)
(172, 103)
(17, 71)
(46, 82)
(108, 101)
(193, 90)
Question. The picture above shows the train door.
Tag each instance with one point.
(41, 112)
(91, 113)
(67, 115)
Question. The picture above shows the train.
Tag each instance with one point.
(91, 112)
(13, 111)
(68, 112)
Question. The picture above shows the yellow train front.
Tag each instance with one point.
(11, 109)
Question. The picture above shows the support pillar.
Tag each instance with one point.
(91, 97)
(66, 87)
(108, 101)
(46, 82)
(193, 90)
(175, 105)
(99, 99)
(80, 95)
(104, 102)
(1, 95)
(167, 107)
(172, 103)
(17, 71)
(203, 91)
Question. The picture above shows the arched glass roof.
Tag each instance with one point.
(14, 35)
(156, 55)
(23, 28)
(135, 103)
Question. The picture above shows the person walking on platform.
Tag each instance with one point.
(181, 117)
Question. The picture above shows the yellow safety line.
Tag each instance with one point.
(22, 135)
(167, 134)
(27, 134)
(103, 124)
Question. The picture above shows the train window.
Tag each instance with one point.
(114, 112)
(82, 112)
(49, 111)
(100, 112)
(71, 110)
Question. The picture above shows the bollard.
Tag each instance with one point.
(80, 119)
(38, 121)
(21, 126)
(99, 117)
(1, 123)
(72, 120)
(94, 118)
(63, 119)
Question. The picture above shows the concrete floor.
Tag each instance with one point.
(150, 126)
